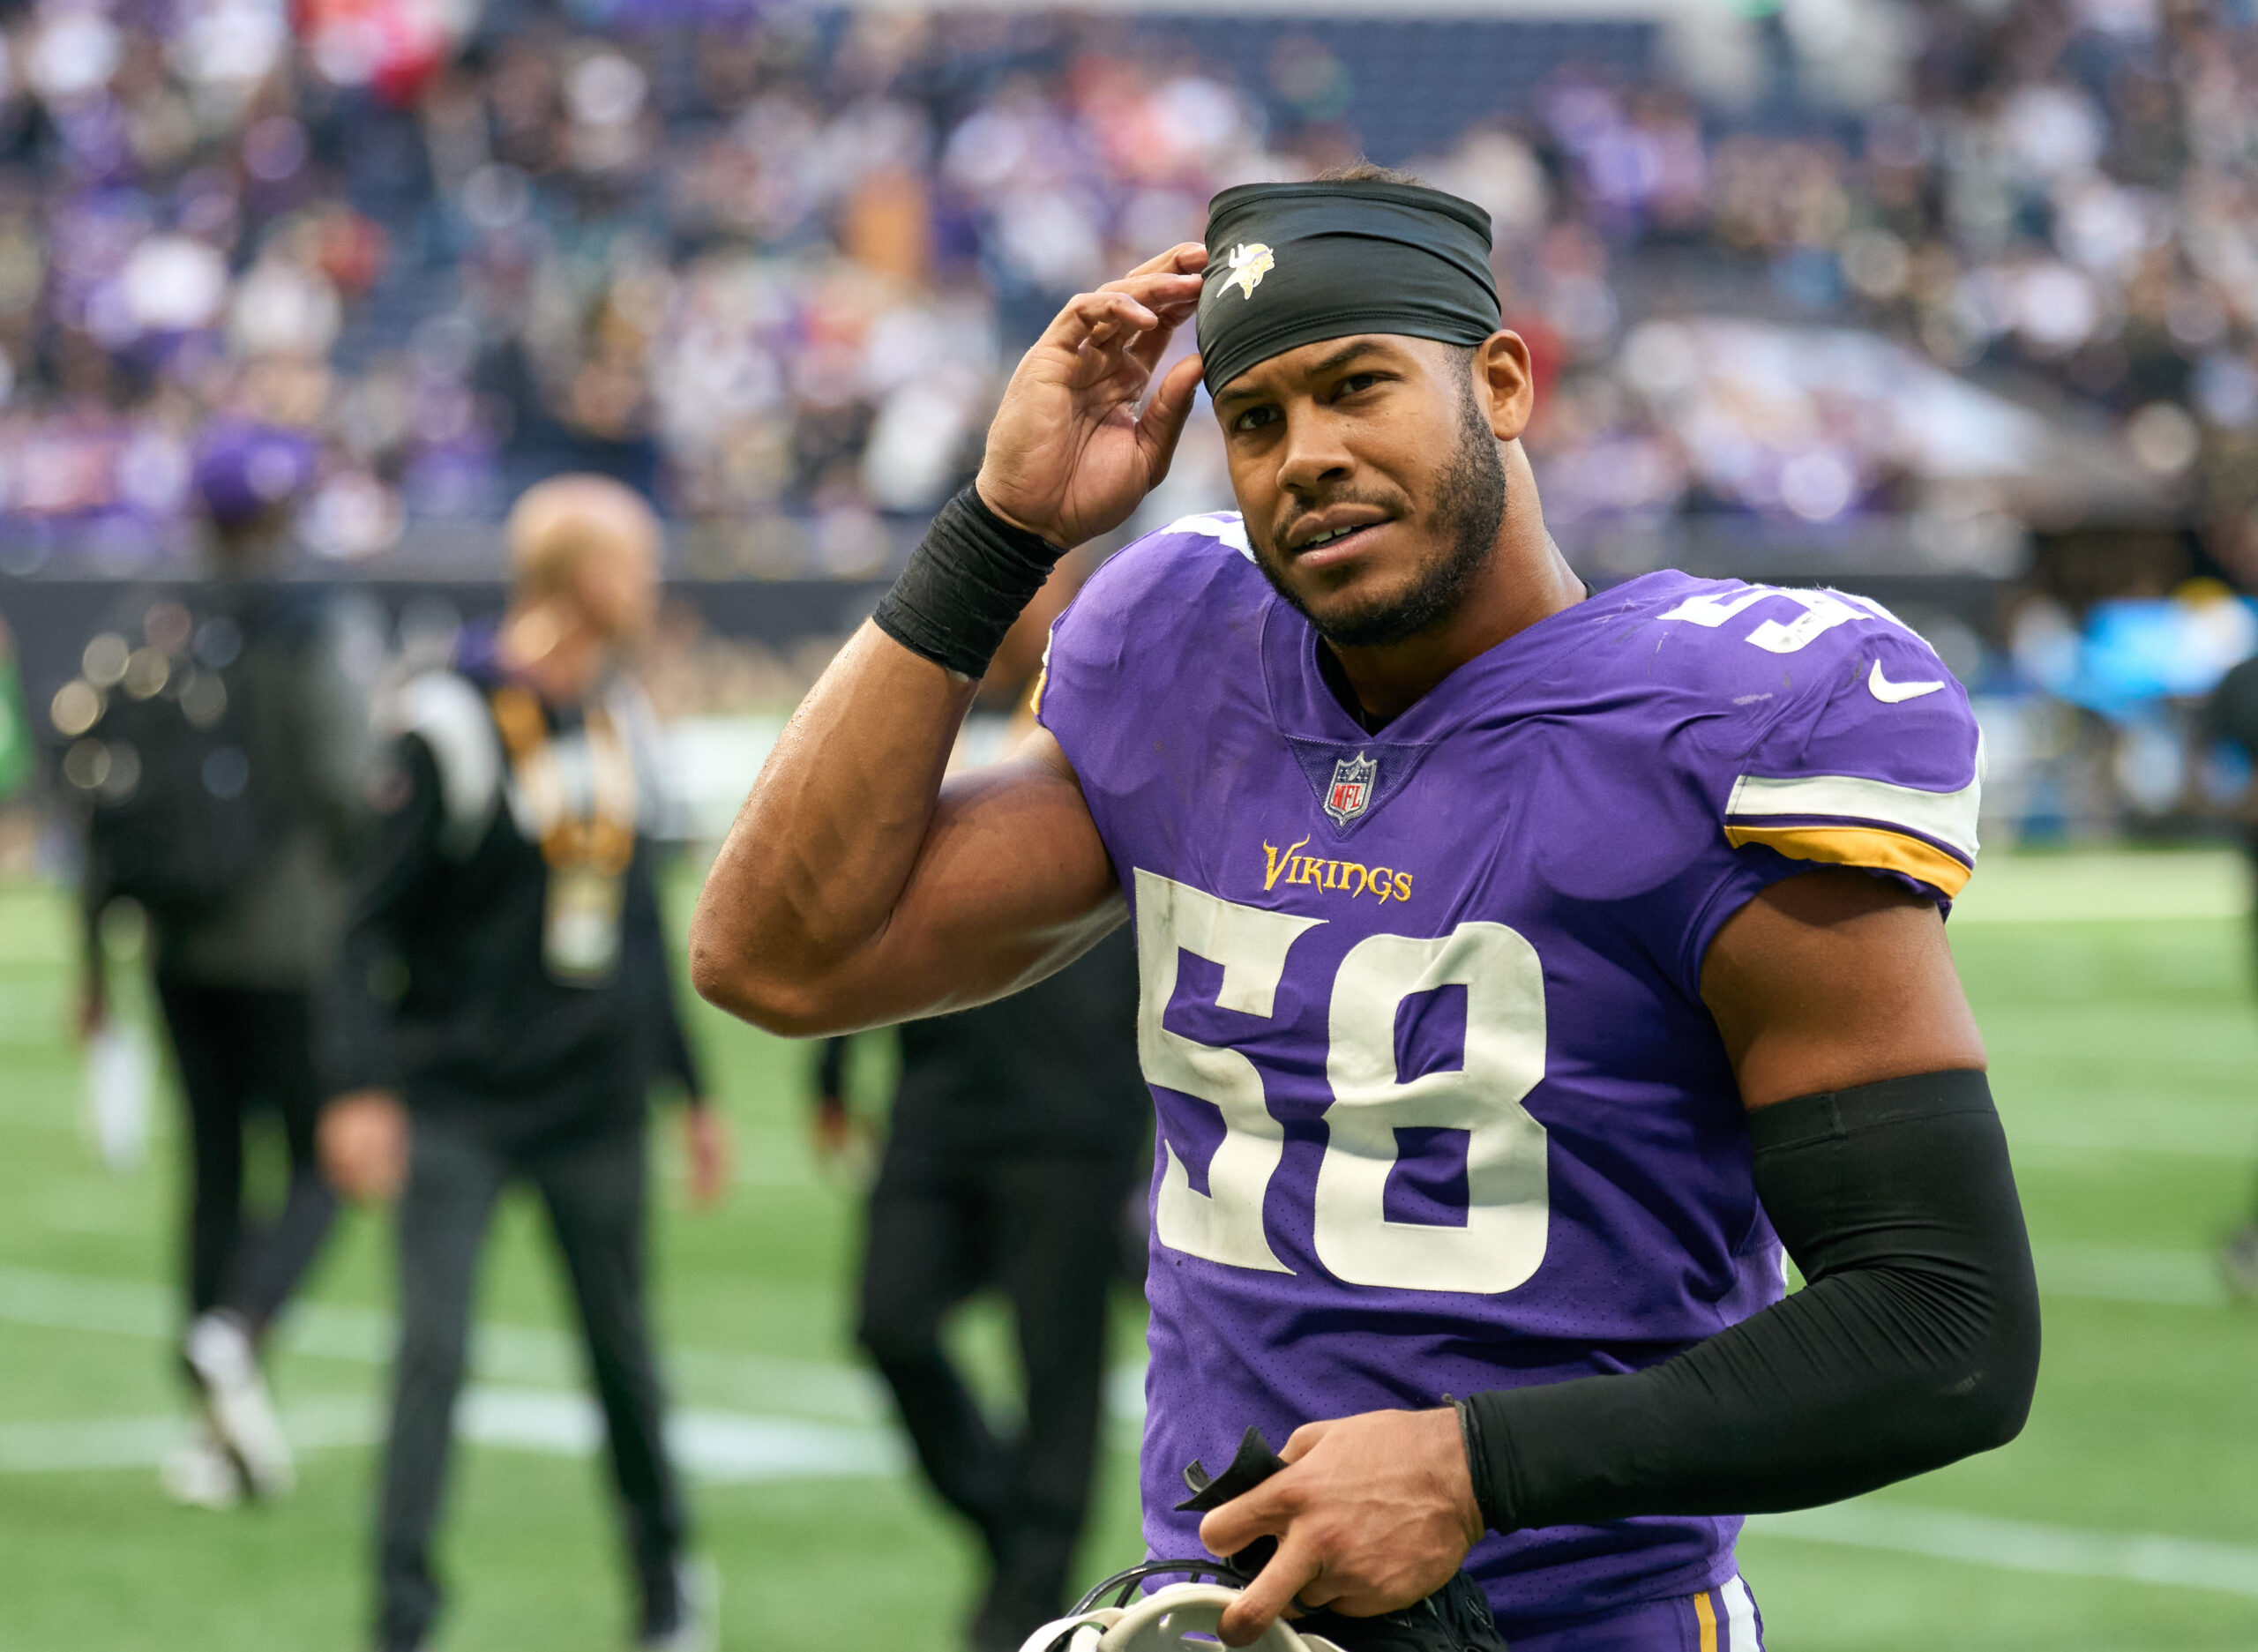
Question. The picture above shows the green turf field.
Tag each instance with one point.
(2114, 993)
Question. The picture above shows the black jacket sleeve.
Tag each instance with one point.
(94, 896)
(358, 1042)
(831, 1069)
(676, 1058)
(1914, 1343)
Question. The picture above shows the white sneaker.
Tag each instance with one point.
(219, 1355)
(699, 1587)
(201, 1474)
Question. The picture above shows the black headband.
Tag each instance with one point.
(1291, 264)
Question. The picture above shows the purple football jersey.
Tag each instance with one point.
(1441, 1108)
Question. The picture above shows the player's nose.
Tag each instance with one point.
(1313, 459)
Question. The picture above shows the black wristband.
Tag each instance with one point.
(1478, 1458)
(969, 578)
(1914, 1342)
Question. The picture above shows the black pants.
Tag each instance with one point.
(595, 1190)
(1048, 1232)
(241, 1051)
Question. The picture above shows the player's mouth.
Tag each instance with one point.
(1321, 546)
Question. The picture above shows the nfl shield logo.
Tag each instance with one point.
(1351, 790)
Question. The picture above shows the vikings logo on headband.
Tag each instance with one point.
(1248, 266)
(1338, 258)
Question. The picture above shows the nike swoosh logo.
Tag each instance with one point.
(1891, 693)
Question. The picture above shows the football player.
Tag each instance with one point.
(1522, 969)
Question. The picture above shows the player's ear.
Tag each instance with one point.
(1503, 384)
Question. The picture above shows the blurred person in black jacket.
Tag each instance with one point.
(1017, 1135)
(502, 1003)
(219, 743)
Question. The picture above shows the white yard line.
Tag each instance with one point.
(720, 1447)
(81, 1444)
(2019, 1546)
(505, 1353)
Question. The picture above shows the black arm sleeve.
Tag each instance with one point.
(1914, 1343)
(358, 1046)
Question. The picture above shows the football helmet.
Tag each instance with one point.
(1177, 1617)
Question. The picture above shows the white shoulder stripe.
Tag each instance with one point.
(1740, 1619)
(450, 715)
(1950, 817)
(1226, 525)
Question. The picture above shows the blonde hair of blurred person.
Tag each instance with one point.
(584, 563)
(584, 569)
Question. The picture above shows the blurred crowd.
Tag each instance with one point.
(759, 267)
(2057, 197)
(769, 262)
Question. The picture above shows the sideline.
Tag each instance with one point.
(2014, 1545)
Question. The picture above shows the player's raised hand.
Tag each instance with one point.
(1069, 455)
(1373, 1514)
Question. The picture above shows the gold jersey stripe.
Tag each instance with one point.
(1868, 847)
(1708, 1615)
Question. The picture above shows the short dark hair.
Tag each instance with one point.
(1362, 171)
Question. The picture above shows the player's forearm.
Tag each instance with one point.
(1915, 1344)
(818, 858)
(850, 892)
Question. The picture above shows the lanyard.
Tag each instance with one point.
(603, 841)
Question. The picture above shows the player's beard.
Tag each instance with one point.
(1468, 509)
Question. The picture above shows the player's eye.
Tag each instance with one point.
(1354, 385)
(1254, 419)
